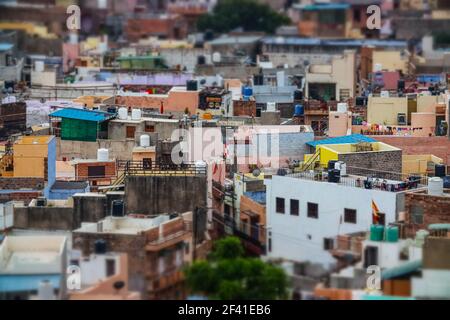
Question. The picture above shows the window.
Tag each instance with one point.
(349, 215)
(147, 163)
(110, 267)
(416, 214)
(280, 205)
(313, 210)
(328, 243)
(149, 128)
(96, 171)
(294, 207)
(130, 132)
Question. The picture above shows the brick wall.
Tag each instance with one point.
(435, 210)
(244, 108)
(438, 146)
(21, 183)
(379, 163)
(81, 169)
(26, 197)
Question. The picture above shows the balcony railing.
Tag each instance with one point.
(149, 168)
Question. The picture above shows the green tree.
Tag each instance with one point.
(248, 14)
(228, 275)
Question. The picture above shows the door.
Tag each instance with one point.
(130, 132)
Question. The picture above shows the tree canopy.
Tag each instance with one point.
(228, 275)
(247, 14)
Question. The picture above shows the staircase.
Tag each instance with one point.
(311, 162)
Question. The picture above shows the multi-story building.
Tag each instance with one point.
(306, 214)
(157, 249)
(33, 267)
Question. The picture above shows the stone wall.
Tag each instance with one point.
(89, 208)
(44, 218)
(21, 183)
(434, 209)
(119, 150)
(164, 194)
(438, 146)
(436, 253)
(384, 164)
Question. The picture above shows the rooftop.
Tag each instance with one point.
(333, 42)
(26, 140)
(353, 138)
(125, 225)
(83, 114)
(32, 255)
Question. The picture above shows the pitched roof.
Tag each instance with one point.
(353, 138)
(83, 114)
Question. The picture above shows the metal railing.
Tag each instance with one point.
(137, 168)
(409, 183)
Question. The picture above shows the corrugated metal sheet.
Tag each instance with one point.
(82, 114)
(354, 138)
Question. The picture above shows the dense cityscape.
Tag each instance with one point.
(224, 150)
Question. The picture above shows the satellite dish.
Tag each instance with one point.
(256, 172)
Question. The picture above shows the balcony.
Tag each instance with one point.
(170, 240)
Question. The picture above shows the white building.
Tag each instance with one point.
(33, 265)
(304, 216)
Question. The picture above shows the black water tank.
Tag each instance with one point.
(439, 170)
(298, 95)
(446, 182)
(331, 164)
(117, 208)
(281, 172)
(258, 80)
(334, 175)
(192, 85)
(360, 101)
(201, 60)
(100, 246)
(401, 85)
(111, 109)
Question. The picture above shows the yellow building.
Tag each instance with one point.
(35, 157)
(392, 60)
(386, 110)
(420, 164)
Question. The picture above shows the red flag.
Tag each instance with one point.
(161, 109)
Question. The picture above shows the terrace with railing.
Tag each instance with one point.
(391, 181)
(150, 168)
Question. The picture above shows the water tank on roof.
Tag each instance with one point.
(332, 164)
(420, 237)
(100, 246)
(271, 106)
(378, 67)
(299, 110)
(136, 114)
(439, 170)
(342, 167)
(435, 186)
(342, 107)
(192, 85)
(392, 234)
(247, 91)
(334, 175)
(145, 140)
(39, 66)
(102, 154)
(117, 209)
(298, 95)
(123, 113)
(376, 232)
(216, 57)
